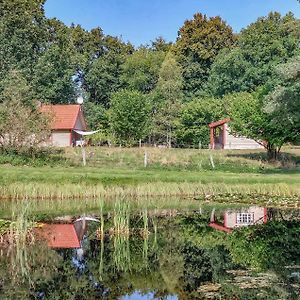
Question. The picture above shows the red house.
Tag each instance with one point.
(222, 138)
(66, 119)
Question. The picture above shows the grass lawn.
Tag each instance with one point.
(170, 172)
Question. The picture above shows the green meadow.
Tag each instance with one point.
(202, 175)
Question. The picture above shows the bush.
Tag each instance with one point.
(32, 156)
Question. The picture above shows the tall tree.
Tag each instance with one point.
(195, 117)
(169, 95)
(141, 70)
(129, 116)
(261, 46)
(22, 35)
(160, 44)
(22, 125)
(250, 119)
(101, 75)
(284, 101)
(199, 42)
(54, 70)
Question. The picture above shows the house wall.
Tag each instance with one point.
(259, 216)
(60, 138)
(79, 123)
(232, 142)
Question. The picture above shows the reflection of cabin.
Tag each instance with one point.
(239, 218)
(60, 236)
(221, 138)
(66, 119)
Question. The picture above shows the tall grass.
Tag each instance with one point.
(19, 238)
(151, 189)
(121, 218)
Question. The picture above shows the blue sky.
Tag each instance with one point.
(140, 21)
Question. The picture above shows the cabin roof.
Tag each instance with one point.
(64, 115)
(218, 123)
(60, 236)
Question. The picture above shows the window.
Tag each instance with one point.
(244, 218)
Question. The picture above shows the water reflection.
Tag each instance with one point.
(232, 219)
(159, 257)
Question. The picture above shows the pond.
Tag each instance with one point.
(213, 253)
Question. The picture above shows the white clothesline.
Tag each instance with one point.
(85, 132)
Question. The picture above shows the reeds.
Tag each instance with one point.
(19, 237)
(121, 218)
(22, 191)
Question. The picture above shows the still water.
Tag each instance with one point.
(235, 253)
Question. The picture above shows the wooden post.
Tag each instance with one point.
(212, 216)
(212, 138)
(224, 136)
(83, 153)
(199, 145)
(145, 159)
(140, 143)
(211, 161)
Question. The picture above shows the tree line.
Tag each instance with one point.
(162, 93)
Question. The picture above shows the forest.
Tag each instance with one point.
(162, 93)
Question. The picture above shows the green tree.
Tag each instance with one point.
(261, 46)
(284, 101)
(22, 34)
(100, 76)
(22, 125)
(250, 119)
(103, 78)
(167, 104)
(54, 70)
(199, 42)
(129, 116)
(141, 70)
(195, 117)
(160, 44)
(230, 72)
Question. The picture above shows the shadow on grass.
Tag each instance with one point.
(285, 163)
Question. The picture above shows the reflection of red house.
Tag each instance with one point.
(239, 218)
(60, 236)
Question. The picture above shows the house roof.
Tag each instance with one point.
(59, 235)
(218, 123)
(64, 116)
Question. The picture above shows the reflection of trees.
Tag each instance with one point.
(20, 275)
(197, 267)
(185, 255)
(271, 245)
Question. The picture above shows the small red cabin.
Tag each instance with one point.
(222, 138)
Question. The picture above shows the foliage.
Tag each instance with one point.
(198, 43)
(283, 103)
(129, 116)
(271, 245)
(194, 118)
(141, 70)
(249, 119)
(230, 72)
(260, 47)
(102, 75)
(167, 101)
(22, 125)
(55, 67)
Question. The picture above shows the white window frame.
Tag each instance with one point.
(243, 218)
